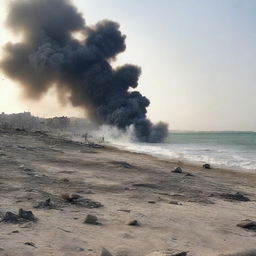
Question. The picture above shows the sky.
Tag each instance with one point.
(198, 60)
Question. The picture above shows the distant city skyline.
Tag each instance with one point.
(198, 60)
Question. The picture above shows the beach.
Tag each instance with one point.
(191, 211)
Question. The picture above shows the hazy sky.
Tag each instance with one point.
(198, 59)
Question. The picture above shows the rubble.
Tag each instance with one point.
(47, 204)
(247, 224)
(22, 216)
(177, 170)
(235, 197)
(83, 202)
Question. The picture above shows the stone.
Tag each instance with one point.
(207, 166)
(10, 217)
(23, 216)
(80, 249)
(91, 219)
(105, 252)
(177, 170)
(134, 223)
(169, 253)
(235, 197)
(247, 224)
(188, 174)
(26, 215)
(30, 244)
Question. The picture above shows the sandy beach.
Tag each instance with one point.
(191, 211)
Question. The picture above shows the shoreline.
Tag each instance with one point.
(194, 164)
(249, 176)
(191, 211)
(187, 162)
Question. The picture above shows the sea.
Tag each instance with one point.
(229, 150)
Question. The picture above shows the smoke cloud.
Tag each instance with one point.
(49, 55)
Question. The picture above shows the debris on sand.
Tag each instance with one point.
(134, 223)
(105, 252)
(70, 198)
(207, 166)
(247, 224)
(26, 215)
(88, 151)
(122, 164)
(124, 210)
(177, 170)
(145, 185)
(188, 174)
(20, 130)
(245, 253)
(235, 197)
(29, 171)
(83, 202)
(91, 219)
(47, 204)
(200, 200)
(66, 197)
(30, 244)
(40, 133)
(23, 216)
(169, 253)
(94, 145)
(67, 231)
(11, 218)
(175, 203)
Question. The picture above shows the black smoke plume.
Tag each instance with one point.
(49, 55)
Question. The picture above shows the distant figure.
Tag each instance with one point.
(85, 136)
(101, 140)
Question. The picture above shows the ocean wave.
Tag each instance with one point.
(223, 158)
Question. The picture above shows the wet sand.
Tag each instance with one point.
(185, 211)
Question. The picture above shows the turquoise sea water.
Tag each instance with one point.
(246, 140)
(234, 150)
